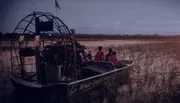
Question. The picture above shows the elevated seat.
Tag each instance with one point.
(26, 52)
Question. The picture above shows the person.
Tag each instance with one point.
(80, 57)
(99, 55)
(84, 56)
(113, 58)
(108, 54)
(89, 56)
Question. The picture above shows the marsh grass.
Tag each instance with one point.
(155, 77)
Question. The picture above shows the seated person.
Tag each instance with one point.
(89, 56)
(113, 58)
(108, 54)
(84, 56)
(99, 55)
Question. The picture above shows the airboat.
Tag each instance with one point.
(58, 75)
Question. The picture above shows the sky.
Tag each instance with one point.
(100, 16)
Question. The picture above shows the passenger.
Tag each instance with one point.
(113, 58)
(108, 54)
(85, 56)
(82, 54)
(80, 57)
(88, 56)
(99, 55)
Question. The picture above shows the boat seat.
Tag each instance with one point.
(103, 64)
(97, 69)
(100, 67)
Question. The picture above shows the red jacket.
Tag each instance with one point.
(99, 56)
(112, 59)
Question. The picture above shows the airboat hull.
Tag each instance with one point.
(120, 75)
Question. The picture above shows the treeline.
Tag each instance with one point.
(117, 36)
(13, 36)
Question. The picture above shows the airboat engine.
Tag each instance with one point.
(53, 54)
(51, 58)
(57, 58)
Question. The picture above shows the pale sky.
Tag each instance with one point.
(100, 16)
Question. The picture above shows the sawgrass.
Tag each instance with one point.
(155, 77)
